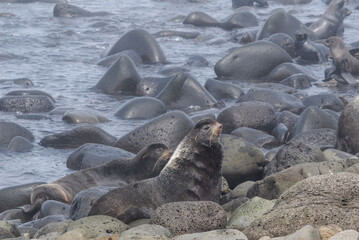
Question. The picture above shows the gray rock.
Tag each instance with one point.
(196, 61)
(172, 33)
(324, 101)
(228, 234)
(26, 104)
(52, 207)
(287, 69)
(322, 137)
(92, 155)
(222, 90)
(313, 118)
(39, 223)
(280, 132)
(201, 19)
(257, 115)
(256, 137)
(306, 232)
(83, 116)
(297, 81)
(146, 231)
(58, 227)
(95, 225)
(168, 129)
(8, 230)
(239, 19)
(141, 108)
(132, 54)
(284, 41)
(190, 217)
(19, 144)
(311, 201)
(242, 161)
(346, 235)
(289, 119)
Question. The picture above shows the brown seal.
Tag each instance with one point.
(146, 164)
(344, 62)
(192, 174)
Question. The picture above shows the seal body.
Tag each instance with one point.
(309, 51)
(192, 174)
(146, 164)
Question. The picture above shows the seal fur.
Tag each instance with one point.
(146, 164)
(192, 174)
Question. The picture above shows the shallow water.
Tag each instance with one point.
(60, 56)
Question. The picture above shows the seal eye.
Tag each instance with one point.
(206, 128)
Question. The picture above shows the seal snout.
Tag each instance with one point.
(217, 129)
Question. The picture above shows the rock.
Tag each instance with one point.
(239, 19)
(197, 61)
(151, 86)
(143, 43)
(313, 118)
(348, 127)
(241, 190)
(232, 205)
(322, 137)
(8, 230)
(256, 137)
(200, 19)
(311, 201)
(77, 137)
(132, 54)
(172, 70)
(26, 104)
(146, 231)
(280, 132)
(346, 235)
(257, 115)
(280, 101)
(327, 231)
(83, 116)
(190, 217)
(227, 234)
(19, 144)
(292, 154)
(242, 161)
(335, 155)
(78, 234)
(141, 108)
(306, 232)
(95, 225)
(324, 101)
(168, 129)
(52, 207)
(251, 210)
(9, 130)
(284, 41)
(286, 70)
(222, 90)
(172, 33)
(122, 77)
(92, 155)
(252, 61)
(297, 81)
(39, 223)
(289, 119)
(58, 227)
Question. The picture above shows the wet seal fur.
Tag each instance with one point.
(192, 174)
(146, 164)
(346, 65)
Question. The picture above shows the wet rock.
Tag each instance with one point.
(311, 201)
(228, 234)
(26, 104)
(95, 225)
(8, 230)
(280, 132)
(348, 128)
(284, 41)
(252, 61)
(143, 43)
(323, 137)
(313, 118)
(32, 92)
(222, 90)
(190, 217)
(239, 19)
(151, 86)
(256, 137)
(257, 115)
(197, 61)
(13, 214)
(159, 129)
(77, 137)
(92, 155)
(78, 234)
(83, 116)
(280, 101)
(336, 155)
(132, 54)
(242, 161)
(141, 108)
(172, 33)
(292, 154)
(251, 210)
(297, 81)
(232, 205)
(122, 77)
(286, 70)
(324, 101)
(200, 19)
(19, 144)
(39, 223)
(146, 231)
(287, 118)
(58, 227)
(52, 207)
(65, 10)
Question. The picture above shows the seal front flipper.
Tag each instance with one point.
(348, 78)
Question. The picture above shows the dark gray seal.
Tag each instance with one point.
(192, 174)
(309, 51)
(65, 10)
(329, 23)
(143, 43)
(345, 64)
(146, 164)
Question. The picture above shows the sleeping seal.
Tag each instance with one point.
(146, 164)
(192, 174)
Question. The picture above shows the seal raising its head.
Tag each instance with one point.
(343, 60)
(193, 173)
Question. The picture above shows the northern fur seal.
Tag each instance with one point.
(192, 174)
(309, 51)
(344, 62)
(146, 164)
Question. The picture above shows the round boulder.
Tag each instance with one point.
(141, 108)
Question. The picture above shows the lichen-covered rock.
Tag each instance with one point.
(227, 234)
(8, 230)
(323, 200)
(328, 231)
(146, 231)
(190, 217)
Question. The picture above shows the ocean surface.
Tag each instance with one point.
(59, 56)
